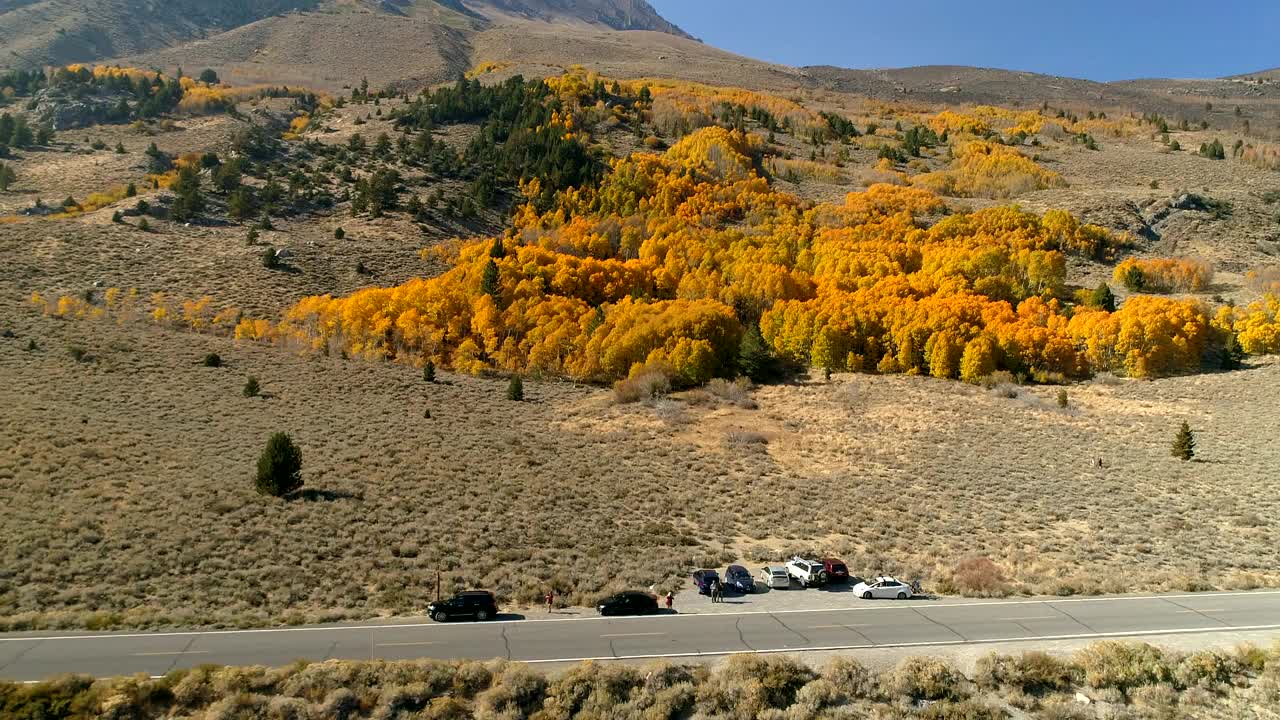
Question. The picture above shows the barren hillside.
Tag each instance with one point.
(56, 32)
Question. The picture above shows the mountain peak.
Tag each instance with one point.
(615, 14)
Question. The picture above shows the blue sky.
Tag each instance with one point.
(1094, 39)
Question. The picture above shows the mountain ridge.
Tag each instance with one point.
(58, 32)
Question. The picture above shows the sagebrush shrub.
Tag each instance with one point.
(927, 679)
(1122, 666)
(1206, 669)
(516, 692)
(647, 385)
(852, 678)
(979, 577)
(1033, 673)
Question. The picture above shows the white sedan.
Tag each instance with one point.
(882, 588)
(775, 577)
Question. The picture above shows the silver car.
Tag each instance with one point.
(775, 577)
(883, 588)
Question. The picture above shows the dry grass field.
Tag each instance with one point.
(127, 482)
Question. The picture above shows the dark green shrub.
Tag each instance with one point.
(213, 360)
(279, 467)
(251, 388)
(1103, 298)
(515, 389)
(269, 259)
(429, 372)
(1134, 279)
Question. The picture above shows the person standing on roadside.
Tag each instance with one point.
(671, 598)
(551, 599)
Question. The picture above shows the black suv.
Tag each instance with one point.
(628, 603)
(475, 604)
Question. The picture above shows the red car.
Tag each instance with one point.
(837, 571)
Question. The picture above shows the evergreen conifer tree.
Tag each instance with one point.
(1184, 443)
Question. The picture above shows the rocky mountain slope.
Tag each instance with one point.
(55, 32)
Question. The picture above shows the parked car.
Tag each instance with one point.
(704, 579)
(738, 578)
(775, 577)
(837, 571)
(883, 588)
(809, 573)
(628, 603)
(475, 604)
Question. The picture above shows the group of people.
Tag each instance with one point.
(717, 591)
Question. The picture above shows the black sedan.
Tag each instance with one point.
(628, 603)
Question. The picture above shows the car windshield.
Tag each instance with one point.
(778, 572)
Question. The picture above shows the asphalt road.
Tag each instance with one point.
(863, 625)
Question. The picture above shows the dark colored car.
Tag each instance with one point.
(704, 579)
(739, 579)
(837, 571)
(628, 603)
(475, 604)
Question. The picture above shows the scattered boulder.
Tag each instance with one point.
(61, 110)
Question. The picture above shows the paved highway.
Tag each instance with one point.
(862, 625)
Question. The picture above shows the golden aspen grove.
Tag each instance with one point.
(671, 257)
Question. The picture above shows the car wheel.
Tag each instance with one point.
(482, 615)
(441, 616)
(866, 595)
(902, 596)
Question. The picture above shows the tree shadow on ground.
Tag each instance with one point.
(320, 495)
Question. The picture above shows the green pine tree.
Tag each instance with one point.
(251, 388)
(429, 372)
(489, 283)
(1103, 298)
(515, 390)
(1184, 443)
(279, 467)
(188, 201)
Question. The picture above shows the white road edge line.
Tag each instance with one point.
(171, 652)
(531, 623)
(627, 635)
